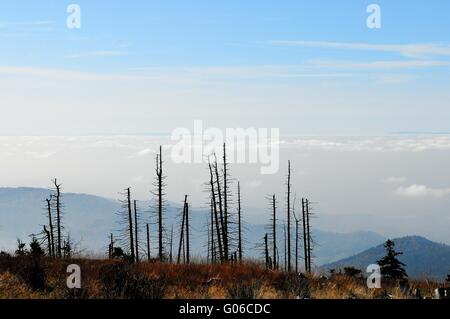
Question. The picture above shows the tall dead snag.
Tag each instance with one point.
(148, 243)
(285, 248)
(212, 245)
(49, 242)
(136, 227)
(288, 268)
(181, 244)
(274, 232)
(296, 236)
(171, 245)
(50, 225)
(239, 224)
(111, 247)
(308, 229)
(220, 204)
(216, 217)
(58, 209)
(305, 234)
(160, 202)
(266, 251)
(186, 210)
(225, 201)
(130, 225)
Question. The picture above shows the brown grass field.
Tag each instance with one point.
(45, 278)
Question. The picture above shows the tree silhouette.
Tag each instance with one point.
(448, 277)
(35, 248)
(58, 208)
(288, 212)
(391, 267)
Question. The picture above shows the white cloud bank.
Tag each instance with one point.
(422, 191)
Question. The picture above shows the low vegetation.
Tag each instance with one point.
(43, 277)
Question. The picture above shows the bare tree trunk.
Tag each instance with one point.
(181, 245)
(111, 246)
(49, 241)
(136, 230)
(274, 232)
(285, 248)
(289, 218)
(171, 245)
(216, 217)
(308, 228)
(296, 246)
(130, 225)
(222, 221)
(186, 205)
(305, 234)
(239, 224)
(225, 199)
(160, 204)
(266, 251)
(58, 216)
(50, 225)
(148, 243)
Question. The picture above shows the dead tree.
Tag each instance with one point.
(266, 251)
(49, 241)
(296, 236)
(130, 224)
(171, 245)
(216, 217)
(50, 225)
(211, 240)
(308, 229)
(186, 209)
(289, 218)
(111, 246)
(225, 201)
(136, 227)
(285, 248)
(220, 204)
(148, 243)
(58, 216)
(181, 244)
(159, 193)
(274, 232)
(239, 224)
(305, 234)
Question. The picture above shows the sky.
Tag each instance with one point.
(306, 67)
(362, 113)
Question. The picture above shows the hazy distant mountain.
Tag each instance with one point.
(423, 258)
(90, 219)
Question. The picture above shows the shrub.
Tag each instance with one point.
(244, 290)
(126, 282)
(289, 284)
(32, 272)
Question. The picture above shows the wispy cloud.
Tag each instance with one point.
(59, 74)
(389, 65)
(407, 50)
(421, 191)
(97, 54)
(370, 144)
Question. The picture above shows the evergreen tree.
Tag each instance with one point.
(35, 248)
(448, 277)
(391, 267)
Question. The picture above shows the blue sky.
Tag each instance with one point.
(252, 54)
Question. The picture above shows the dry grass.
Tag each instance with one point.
(30, 278)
